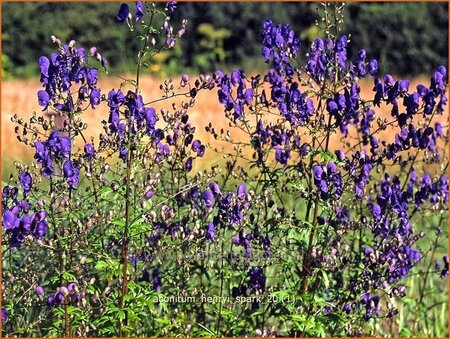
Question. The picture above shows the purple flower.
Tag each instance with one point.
(242, 191)
(124, 11)
(362, 55)
(170, 42)
(72, 287)
(94, 97)
(39, 291)
(376, 211)
(257, 281)
(44, 64)
(208, 198)
(236, 240)
(140, 10)
(25, 181)
(201, 151)
(347, 308)
(148, 193)
(188, 165)
(43, 98)
(71, 173)
(89, 151)
(123, 153)
(340, 155)
(92, 77)
(171, 5)
(444, 272)
(41, 229)
(4, 314)
(196, 145)
(317, 170)
(373, 67)
(10, 220)
(215, 188)
(210, 232)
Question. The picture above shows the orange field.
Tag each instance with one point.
(19, 97)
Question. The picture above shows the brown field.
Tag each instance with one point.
(19, 97)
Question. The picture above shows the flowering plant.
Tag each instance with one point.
(308, 229)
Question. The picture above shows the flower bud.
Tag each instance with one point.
(170, 42)
(72, 287)
(64, 291)
(148, 193)
(83, 260)
(72, 43)
(93, 51)
(39, 291)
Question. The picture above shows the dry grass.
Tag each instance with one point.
(19, 97)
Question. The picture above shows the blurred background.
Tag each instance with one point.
(406, 38)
